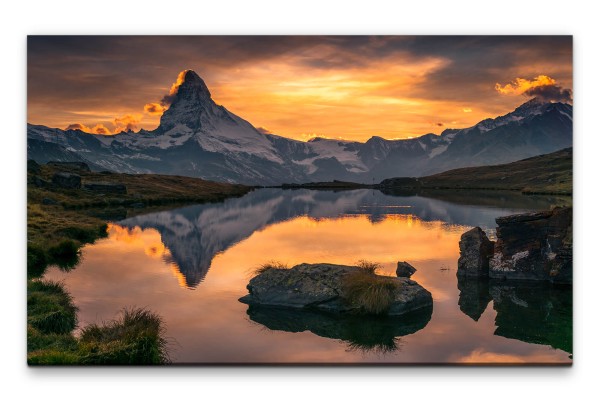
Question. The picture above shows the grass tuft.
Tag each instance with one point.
(369, 267)
(136, 338)
(270, 265)
(50, 309)
(370, 293)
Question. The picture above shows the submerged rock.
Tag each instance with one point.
(534, 246)
(405, 270)
(67, 180)
(324, 287)
(475, 251)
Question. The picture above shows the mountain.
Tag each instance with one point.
(547, 173)
(198, 138)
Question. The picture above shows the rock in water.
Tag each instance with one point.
(405, 270)
(535, 246)
(475, 251)
(323, 287)
(67, 180)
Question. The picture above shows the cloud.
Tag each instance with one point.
(168, 98)
(467, 110)
(97, 129)
(128, 122)
(263, 130)
(154, 108)
(521, 85)
(551, 93)
(542, 87)
(101, 129)
(78, 126)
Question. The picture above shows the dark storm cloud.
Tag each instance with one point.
(550, 93)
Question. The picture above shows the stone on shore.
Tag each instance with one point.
(475, 251)
(106, 187)
(67, 180)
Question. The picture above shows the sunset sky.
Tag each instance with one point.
(350, 87)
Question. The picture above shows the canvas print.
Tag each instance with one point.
(299, 200)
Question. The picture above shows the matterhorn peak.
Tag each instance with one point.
(190, 103)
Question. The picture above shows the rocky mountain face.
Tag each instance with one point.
(198, 138)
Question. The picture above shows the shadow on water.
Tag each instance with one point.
(360, 333)
(534, 312)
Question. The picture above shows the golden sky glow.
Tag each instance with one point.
(299, 87)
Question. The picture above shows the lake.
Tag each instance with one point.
(192, 264)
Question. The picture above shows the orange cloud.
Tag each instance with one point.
(128, 122)
(154, 108)
(521, 85)
(97, 129)
(168, 99)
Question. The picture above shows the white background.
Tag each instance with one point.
(297, 17)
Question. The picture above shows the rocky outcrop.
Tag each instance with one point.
(66, 180)
(534, 246)
(106, 187)
(75, 166)
(475, 252)
(323, 287)
(530, 246)
(405, 270)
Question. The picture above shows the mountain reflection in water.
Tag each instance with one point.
(213, 249)
(195, 234)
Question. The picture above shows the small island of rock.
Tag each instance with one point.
(336, 289)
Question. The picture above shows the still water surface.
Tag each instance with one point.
(192, 264)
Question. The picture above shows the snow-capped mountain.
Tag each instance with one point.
(196, 137)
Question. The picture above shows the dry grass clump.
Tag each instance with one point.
(270, 265)
(368, 266)
(370, 293)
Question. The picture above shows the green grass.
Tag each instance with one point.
(50, 309)
(370, 293)
(136, 338)
(270, 265)
(55, 234)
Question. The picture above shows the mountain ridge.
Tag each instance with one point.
(198, 138)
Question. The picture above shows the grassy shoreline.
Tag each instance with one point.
(60, 221)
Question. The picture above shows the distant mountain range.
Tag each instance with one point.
(198, 138)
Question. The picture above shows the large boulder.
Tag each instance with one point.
(405, 270)
(334, 288)
(534, 246)
(106, 187)
(475, 252)
(66, 180)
